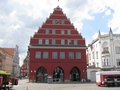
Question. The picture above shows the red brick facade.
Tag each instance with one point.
(58, 50)
(23, 70)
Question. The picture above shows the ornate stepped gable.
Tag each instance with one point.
(57, 22)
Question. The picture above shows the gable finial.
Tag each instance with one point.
(58, 2)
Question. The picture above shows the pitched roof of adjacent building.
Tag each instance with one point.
(10, 50)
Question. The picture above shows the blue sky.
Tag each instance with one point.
(19, 20)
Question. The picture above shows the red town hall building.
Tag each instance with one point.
(57, 50)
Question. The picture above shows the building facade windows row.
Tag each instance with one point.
(71, 55)
(47, 41)
(54, 31)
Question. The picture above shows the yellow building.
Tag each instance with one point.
(2, 59)
(7, 61)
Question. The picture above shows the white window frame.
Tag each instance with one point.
(53, 31)
(75, 42)
(53, 21)
(62, 41)
(38, 55)
(69, 41)
(46, 41)
(117, 50)
(62, 31)
(118, 62)
(45, 55)
(78, 55)
(62, 55)
(40, 41)
(54, 55)
(53, 41)
(62, 22)
(47, 31)
(69, 32)
(105, 49)
(71, 55)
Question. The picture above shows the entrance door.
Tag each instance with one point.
(74, 77)
(75, 74)
(58, 74)
(41, 75)
(93, 76)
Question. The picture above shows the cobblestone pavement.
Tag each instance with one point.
(63, 86)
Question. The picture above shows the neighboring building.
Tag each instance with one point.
(26, 62)
(2, 59)
(7, 62)
(57, 50)
(23, 70)
(103, 54)
(15, 55)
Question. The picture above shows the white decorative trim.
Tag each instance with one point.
(57, 47)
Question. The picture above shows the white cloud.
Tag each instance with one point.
(95, 36)
(108, 12)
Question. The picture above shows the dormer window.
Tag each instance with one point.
(75, 42)
(62, 32)
(40, 41)
(47, 31)
(47, 41)
(69, 42)
(62, 41)
(62, 21)
(53, 21)
(53, 42)
(69, 31)
(53, 31)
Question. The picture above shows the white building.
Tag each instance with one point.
(103, 54)
(16, 67)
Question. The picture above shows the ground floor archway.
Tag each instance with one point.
(75, 74)
(41, 75)
(58, 74)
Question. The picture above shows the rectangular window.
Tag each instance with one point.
(89, 56)
(62, 55)
(47, 31)
(62, 32)
(45, 55)
(38, 55)
(54, 55)
(53, 31)
(78, 55)
(105, 48)
(40, 41)
(117, 50)
(53, 42)
(69, 31)
(93, 54)
(47, 41)
(97, 55)
(71, 55)
(62, 21)
(69, 42)
(53, 22)
(118, 62)
(75, 42)
(62, 41)
(107, 63)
